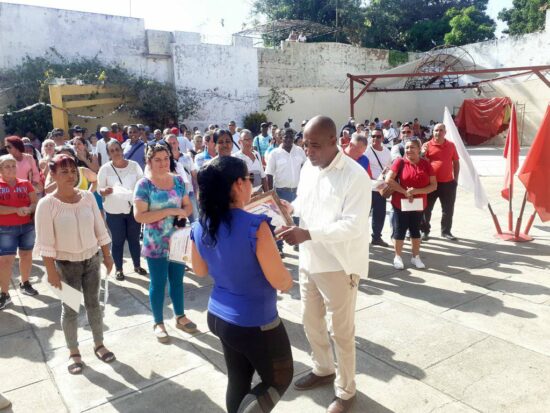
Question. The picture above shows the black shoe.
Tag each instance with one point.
(5, 299)
(380, 242)
(140, 271)
(120, 275)
(296, 248)
(282, 254)
(26, 288)
(449, 236)
(310, 381)
(425, 236)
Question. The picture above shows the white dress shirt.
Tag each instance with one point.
(285, 166)
(333, 205)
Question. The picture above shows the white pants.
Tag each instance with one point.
(331, 295)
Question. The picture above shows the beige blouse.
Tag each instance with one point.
(70, 232)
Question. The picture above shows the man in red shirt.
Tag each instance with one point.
(443, 157)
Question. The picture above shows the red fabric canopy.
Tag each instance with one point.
(479, 120)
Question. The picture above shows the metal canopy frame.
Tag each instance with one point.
(366, 81)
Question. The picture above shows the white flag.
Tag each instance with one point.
(468, 178)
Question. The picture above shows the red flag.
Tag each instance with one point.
(535, 172)
(511, 153)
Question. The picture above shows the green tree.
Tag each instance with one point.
(468, 26)
(411, 25)
(525, 16)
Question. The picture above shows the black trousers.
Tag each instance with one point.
(446, 193)
(265, 350)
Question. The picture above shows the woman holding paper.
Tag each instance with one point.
(116, 182)
(69, 233)
(412, 178)
(158, 200)
(238, 249)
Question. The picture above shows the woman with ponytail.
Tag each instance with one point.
(238, 250)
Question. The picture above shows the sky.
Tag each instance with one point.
(214, 18)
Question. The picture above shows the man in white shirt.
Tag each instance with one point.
(101, 146)
(232, 126)
(333, 203)
(390, 133)
(379, 161)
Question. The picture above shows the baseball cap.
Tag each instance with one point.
(264, 125)
(175, 131)
(104, 129)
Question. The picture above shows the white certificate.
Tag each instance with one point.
(69, 295)
(180, 246)
(417, 204)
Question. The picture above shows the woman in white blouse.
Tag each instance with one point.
(116, 182)
(253, 162)
(69, 232)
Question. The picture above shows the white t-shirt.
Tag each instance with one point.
(236, 148)
(101, 149)
(385, 160)
(185, 144)
(120, 201)
(285, 167)
(186, 171)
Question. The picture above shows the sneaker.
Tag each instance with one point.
(26, 288)
(398, 263)
(425, 236)
(417, 262)
(5, 299)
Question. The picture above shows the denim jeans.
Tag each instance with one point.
(83, 276)
(160, 270)
(124, 227)
(265, 350)
(378, 210)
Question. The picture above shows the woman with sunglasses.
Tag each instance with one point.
(69, 233)
(159, 198)
(26, 166)
(411, 177)
(238, 250)
(117, 180)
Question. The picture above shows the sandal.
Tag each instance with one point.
(188, 327)
(140, 271)
(108, 357)
(120, 275)
(161, 334)
(76, 367)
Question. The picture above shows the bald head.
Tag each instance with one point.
(439, 132)
(321, 125)
(320, 141)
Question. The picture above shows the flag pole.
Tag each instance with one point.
(510, 213)
(530, 222)
(495, 219)
(522, 210)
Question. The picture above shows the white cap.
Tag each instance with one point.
(104, 129)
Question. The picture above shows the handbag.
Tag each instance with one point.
(120, 180)
(386, 191)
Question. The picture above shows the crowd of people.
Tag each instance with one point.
(76, 200)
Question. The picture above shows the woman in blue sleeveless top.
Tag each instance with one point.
(238, 250)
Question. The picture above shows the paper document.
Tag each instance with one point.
(69, 295)
(105, 276)
(417, 204)
(180, 246)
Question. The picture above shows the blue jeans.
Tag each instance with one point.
(288, 196)
(124, 227)
(378, 210)
(160, 269)
(16, 236)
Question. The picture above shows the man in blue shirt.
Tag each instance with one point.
(261, 142)
(134, 147)
(356, 149)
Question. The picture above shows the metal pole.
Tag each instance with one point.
(518, 222)
(336, 31)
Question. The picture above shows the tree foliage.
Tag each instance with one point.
(405, 25)
(469, 25)
(149, 100)
(525, 16)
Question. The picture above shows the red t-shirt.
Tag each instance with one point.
(441, 157)
(411, 176)
(118, 136)
(16, 196)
